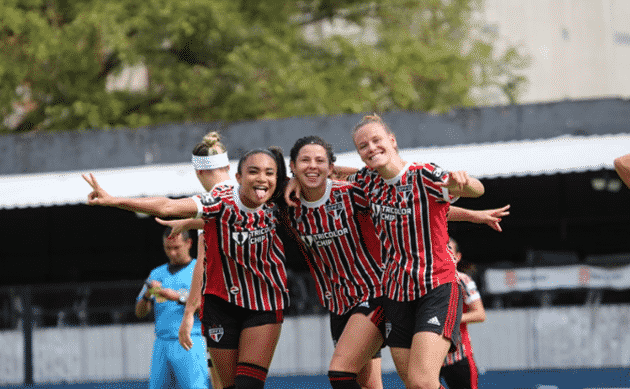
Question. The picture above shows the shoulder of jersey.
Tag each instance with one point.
(221, 189)
(364, 171)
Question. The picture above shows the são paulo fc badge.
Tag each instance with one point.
(215, 333)
(388, 329)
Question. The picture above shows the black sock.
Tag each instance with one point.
(230, 387)
(249, 376)
(343, 380)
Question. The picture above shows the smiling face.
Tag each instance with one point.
(375, 145)
(312, 168)
(257, 179)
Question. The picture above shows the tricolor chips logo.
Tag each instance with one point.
(215, 333)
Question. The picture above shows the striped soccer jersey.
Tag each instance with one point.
(338, 239)
(244, 256)
(409, 212)
(464, 347)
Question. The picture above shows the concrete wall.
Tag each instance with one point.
(510, 340)
(83, 150)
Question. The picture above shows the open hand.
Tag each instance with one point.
(184, 331)
(492, 217)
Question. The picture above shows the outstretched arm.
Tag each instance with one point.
(491, 217)
(622, 166)
(156, 206)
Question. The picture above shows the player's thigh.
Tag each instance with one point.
(225, 361)
(190, 367)
(359, 342)
(426, 357)
(258, 344)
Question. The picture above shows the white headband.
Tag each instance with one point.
(210, 162)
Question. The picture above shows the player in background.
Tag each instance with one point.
(245, 279)
(459, 370)
(166, 292)
(622, 166)
(212, 166)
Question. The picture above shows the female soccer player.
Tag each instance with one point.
(338, 238)
(328, 219)
(245, 279)
(212, 166)
(410, 203)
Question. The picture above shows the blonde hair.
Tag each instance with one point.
(210, 145)
(373, 118)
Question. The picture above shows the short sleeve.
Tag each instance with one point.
(208, 205)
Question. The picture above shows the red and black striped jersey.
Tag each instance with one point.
(338, 239)
(409, 212)
(244, 256)
(464, 347)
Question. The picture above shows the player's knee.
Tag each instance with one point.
(422, 383)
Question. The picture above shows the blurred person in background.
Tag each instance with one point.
(166, 292)
(459, 370)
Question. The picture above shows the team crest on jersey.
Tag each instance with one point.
(404, 191)
(388, 329)
(334, 209)
(215, 333)
(240, 237)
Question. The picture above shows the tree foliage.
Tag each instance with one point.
(231, 60)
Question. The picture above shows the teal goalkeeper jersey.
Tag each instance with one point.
(168, 314)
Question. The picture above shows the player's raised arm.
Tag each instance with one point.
(156, 206)
(491, 217)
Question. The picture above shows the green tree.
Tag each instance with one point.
(231, 60)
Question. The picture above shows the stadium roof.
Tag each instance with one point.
(563, 154)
